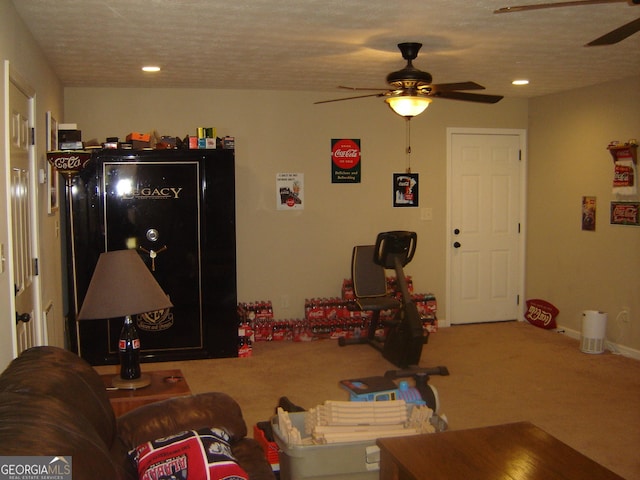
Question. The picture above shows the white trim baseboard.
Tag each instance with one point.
(611, 346)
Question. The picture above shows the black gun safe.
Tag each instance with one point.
(176, 208)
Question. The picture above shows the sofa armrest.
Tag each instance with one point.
(174, 415)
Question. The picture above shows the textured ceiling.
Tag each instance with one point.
(320, 44)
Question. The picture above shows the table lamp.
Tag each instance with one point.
(122, 286)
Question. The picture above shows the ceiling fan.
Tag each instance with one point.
(610, 38)
(412, 88)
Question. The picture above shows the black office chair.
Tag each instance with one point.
(370, 291)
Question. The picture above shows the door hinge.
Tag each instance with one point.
(520, 155)
(35, 266)
(518, 227)
(33, 136)
(517, 299)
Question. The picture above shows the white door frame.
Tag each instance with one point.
(522, 133)
(11, 76)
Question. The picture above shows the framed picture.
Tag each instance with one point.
(52, 174)
(405, 190)
(625, 213)
(589, 213)
(290, 191)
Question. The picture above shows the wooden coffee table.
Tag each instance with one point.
(516, 451)
(164, 384)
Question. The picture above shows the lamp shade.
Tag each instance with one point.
(408, 105)
(122, 285)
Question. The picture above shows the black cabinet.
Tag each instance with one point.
(176, 208)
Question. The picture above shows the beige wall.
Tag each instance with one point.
(581, 270)
(307, 253)
(25, 58)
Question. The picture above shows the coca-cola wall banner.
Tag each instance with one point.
(625, 175)
(345, 160)
(290, 191)
(405, 189)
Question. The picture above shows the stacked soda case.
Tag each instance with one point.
(257, 323)
(428, 308)
(249, 316)
(327, 317)
(337, 317)
(334, 317)
(426, 302)
(324, 318)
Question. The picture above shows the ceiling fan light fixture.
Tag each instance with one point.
(408, 105)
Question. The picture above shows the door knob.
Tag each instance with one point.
(457, 244)
(456, 231)
(25, 317)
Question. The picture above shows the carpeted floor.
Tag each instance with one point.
(500, 373)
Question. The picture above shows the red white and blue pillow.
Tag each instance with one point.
(194, 454)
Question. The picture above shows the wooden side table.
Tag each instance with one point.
(164, 384)
(516, 451)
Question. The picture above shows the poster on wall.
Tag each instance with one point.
(624, 167)
(589, 213)
(290, 191)
(345, 160)
(405, 189)
(625, 213)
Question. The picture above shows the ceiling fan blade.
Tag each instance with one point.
(617, 35)
(447, 87)
(350, 98)
(470, 97)
(539, 6)
(361, 88)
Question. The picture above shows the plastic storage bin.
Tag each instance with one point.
(339, 461)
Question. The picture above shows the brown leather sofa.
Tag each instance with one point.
(54, 403)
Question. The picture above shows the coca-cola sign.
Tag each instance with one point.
(345, 160)
(625, 213)
(345, 153)
(541, 313)
(68, 162)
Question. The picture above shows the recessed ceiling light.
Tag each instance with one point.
(151, 68)
(520, 82)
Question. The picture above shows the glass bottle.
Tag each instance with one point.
(129, 351)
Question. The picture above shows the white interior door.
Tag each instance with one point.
(486, 205)
(23, 227)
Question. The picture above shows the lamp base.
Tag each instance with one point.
(124, 384)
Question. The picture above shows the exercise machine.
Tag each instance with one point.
(405, 336)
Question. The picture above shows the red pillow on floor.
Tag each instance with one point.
(201, 454)
(541, 313)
